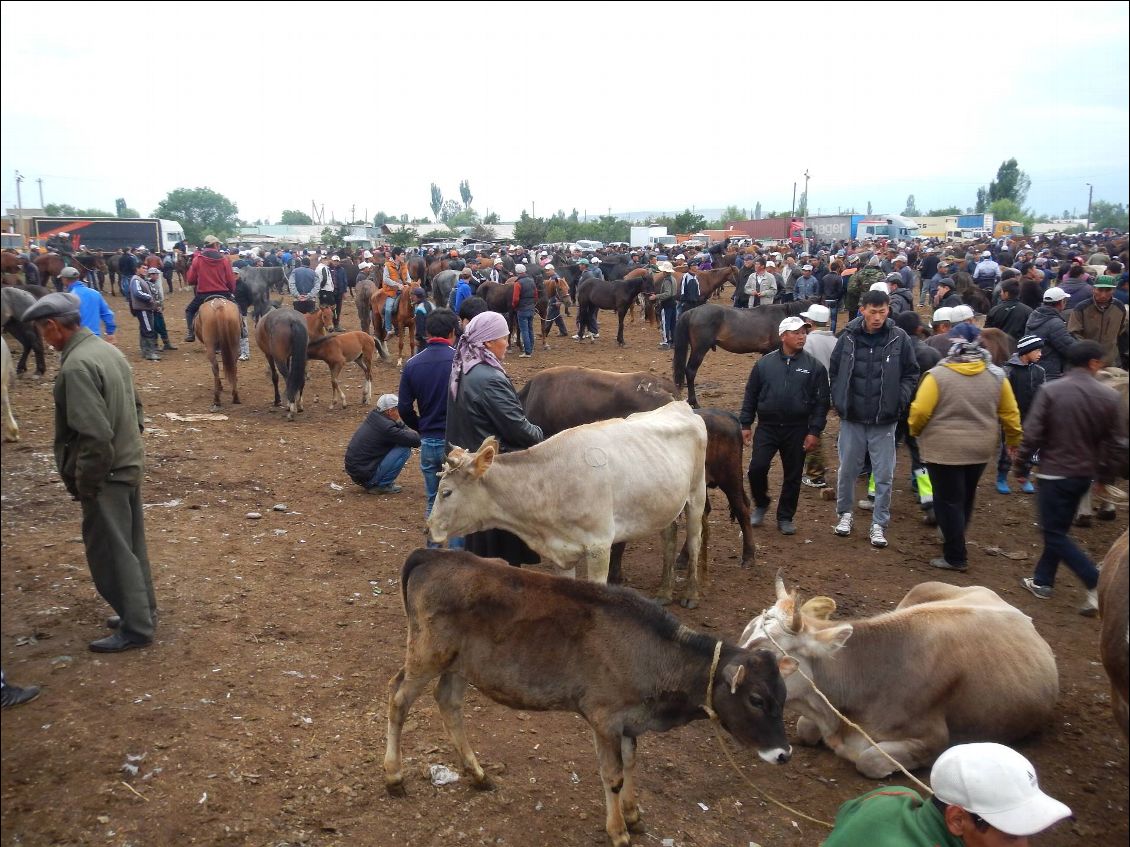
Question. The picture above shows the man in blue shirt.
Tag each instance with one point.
(423, 399)
(94, 311)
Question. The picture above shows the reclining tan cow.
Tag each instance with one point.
(534, 641)
(615, 480)
(1114, 642)
(947, 665)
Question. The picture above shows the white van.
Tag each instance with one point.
(586, 246)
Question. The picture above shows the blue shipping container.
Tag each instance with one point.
(970, 221)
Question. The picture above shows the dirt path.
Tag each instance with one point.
(258, 718)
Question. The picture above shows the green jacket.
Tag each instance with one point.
(858, 284)
(890, 817)
(98, 418)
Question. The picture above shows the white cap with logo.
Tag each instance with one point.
(1055, 294)
(998, 785)
(817, 314)
(790, 324)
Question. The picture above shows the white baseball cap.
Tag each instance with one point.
(806, 268)
(985, 254)
(962, 313)
(944, 314)
(880, 286)
(1055, 294)
(817, 314)
(770, 264)
(791, 324)
(997, 784)
(386, 402)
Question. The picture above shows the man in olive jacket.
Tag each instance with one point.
(99, 454)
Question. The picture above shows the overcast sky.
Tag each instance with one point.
(592, 106)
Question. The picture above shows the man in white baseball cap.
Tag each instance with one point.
(1049, 323)
(985, 795)
(941, 323)
(819, 344)
(380, 448)
(787, 392)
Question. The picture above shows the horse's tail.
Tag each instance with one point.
(229, 346)
(682, 348)
(296, 362)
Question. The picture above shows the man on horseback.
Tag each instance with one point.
(212, 276)
(61, 244)
(395, 279)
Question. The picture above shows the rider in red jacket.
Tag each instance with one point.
(211, 275)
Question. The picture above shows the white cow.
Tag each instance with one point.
(948, 665)
(615, 480)
(10, 427)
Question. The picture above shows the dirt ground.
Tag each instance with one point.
(258, 716)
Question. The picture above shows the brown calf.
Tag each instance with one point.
(533, 641)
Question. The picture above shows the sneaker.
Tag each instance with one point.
(867, 504)
(1091, 607)
(524, 356)
(664, 346)
(13, 695)
(576, 337)
(190, 338)
(877, 538)
(786, 527)
(942, 564)
(757, 516)
(844, 526)
(385, 489)
(813, 481)
(1082, 520)
(1044, 592)
(169, 346)
(245, 358)
(596, 335)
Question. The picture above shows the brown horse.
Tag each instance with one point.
(181, 269)
(558, 287)
(705, 327)
(999, 344)
(337, 349)
(217, 327)
(711, 282)
(282, 336)
(363, 299)
(403, 322)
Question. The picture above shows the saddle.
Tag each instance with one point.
(216, 296)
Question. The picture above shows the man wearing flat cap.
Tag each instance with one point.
(99, 455)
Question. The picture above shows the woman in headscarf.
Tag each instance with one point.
(482, 402)
(957, 415)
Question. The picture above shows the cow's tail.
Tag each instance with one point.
(682, 349)
(414, 560)
(296, 361)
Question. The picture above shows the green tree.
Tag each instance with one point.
(295, 217)
(802, 205)
(688, 221)
(982, 203)
(437, 201)
(465, 217)
(940, 213)
(529, 231)
(465, 193)
(1006, 210)
(868, 207)
(731, 213)
(911, 207)
(66, 210)
(124, 211)
(483, 233)
(333, 237)
(380, 219)
(437, 235)
(201, 211)
(1105, 214)
(492, 218)
(757, 211)
(406, 237)
(1011, 183)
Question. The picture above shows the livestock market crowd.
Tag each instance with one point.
(1009, 353)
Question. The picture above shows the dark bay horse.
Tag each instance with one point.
(705, 327)
(282, 336)
(617, 295)
(442, 285)
(558, 287)
(363, 293)
(217, 327)
(711, 282)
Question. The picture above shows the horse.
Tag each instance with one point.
(50, 265)
(418, 271)
(442, 285)
(558, 287)
(711, 282)
(403, 322)
(181, 268)
(618, 295)
(253, 289)
(338, 349)
(14, 301)
(999, 344)
(282, 336)
(705, 327)
(217, 327)
(499, 297)
(362, 298)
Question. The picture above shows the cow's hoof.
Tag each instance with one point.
(483, 784)
(688, 603)
(663, 599)
(395, 787)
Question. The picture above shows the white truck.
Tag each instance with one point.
(651, 236)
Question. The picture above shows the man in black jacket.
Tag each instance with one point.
(380, 447)
(787, 392)
(874, 375)
(1009, 315)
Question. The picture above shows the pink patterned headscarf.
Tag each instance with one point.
(470, 349)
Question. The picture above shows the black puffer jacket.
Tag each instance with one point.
(1051, 325)
(788, 391)
(1025, 381)
(901, 301)
(873, 382)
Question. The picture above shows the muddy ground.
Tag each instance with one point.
(258, 716)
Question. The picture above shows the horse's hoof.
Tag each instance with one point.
(484, 784)
(663, 599)
(688, 603)
(395, 787)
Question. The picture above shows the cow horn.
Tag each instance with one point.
(779, 584)
(796, 623)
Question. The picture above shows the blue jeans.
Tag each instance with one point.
(1057, 500)
(432, 453)
(834, 309)
(526, 327)
(390, 310)
(389, 468)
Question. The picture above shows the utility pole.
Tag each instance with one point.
(792, 209)
(806, 204)
(40, 181)
(353, 213)
(1090, 195)
(19, 203)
